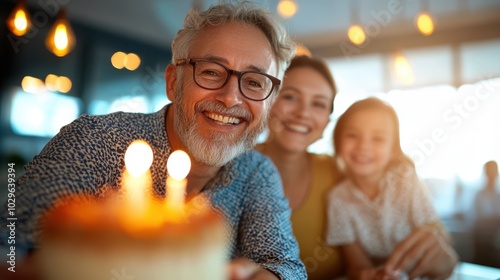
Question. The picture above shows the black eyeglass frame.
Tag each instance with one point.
(275, 81)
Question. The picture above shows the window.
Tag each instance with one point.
(42, 114)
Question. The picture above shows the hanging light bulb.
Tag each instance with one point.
(19, 20)
(356, 34)
(425, 24)
(287, 8)
(424, 21)
(403, 70)
(61, 39)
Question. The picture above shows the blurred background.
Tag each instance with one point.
(436, 61)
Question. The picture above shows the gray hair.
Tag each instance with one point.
(242, 12)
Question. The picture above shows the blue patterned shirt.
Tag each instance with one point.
(89, 152)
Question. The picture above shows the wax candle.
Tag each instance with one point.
(137, 178)
(136, 235)
(178, 166)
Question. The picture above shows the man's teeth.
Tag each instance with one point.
(298, 128)
(224, 119)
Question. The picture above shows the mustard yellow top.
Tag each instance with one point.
(309, 221)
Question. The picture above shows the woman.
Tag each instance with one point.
(298, 117)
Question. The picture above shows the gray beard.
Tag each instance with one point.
(219, 149)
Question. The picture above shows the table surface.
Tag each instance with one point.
(470, 271)
(463, 271)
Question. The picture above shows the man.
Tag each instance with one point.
(486, 222)
(226, 68)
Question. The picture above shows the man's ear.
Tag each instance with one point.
(170, 81)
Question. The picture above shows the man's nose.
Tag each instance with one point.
(230, 93)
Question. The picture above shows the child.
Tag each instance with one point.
(381, 200)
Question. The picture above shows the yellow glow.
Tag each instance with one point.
(287, 8)
(138, 158)
(302, 50)
(51, 82)
(61, 37)
(356, 34)
(118, 60)
(19, 20)
(403, 70)
(132, 61)
(178, 165)
(32, 84)
(64, 84)
(137, 182)
(425, 24)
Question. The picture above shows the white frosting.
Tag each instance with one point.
(62, 262)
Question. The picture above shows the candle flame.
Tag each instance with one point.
(178, 165)
(138, 158)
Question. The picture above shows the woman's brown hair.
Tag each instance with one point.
(317, 65)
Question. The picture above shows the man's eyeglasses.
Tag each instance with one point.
(253, 85)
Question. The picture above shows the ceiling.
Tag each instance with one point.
(319, 24)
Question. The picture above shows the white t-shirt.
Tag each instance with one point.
(378, 225)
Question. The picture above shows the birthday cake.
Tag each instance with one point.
(84, 239)
(128, 234)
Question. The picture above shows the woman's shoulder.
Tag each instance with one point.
(324, 158)
(324, 162)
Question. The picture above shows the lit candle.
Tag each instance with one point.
(178, 166)
(137, 178)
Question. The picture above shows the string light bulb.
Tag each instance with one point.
(130, 61)
(403, 70)
(425, 24)
(287, 8)
(356, 34)
(61, 39)
(423, 20)
(19, 21)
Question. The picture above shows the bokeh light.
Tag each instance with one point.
(425, 24)
(138, 157)
(356, 34)
(287, 8)
(178, 165)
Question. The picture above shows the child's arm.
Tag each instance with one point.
(424, 252)
(359, 266)
(442, 231)
(427, 250)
